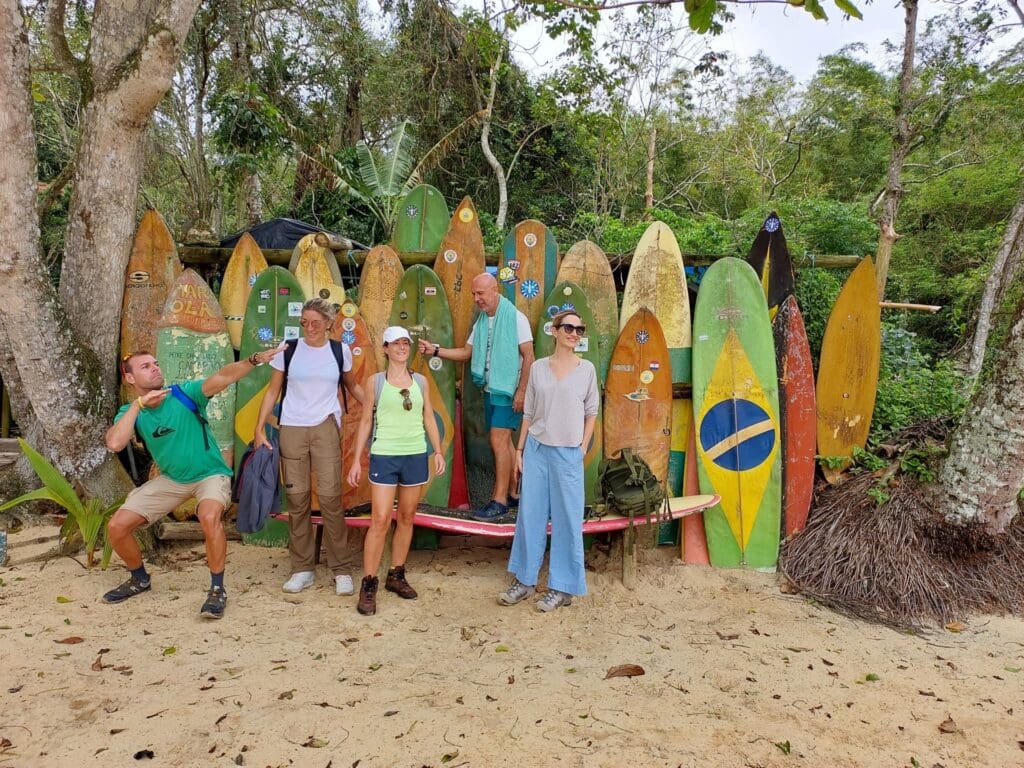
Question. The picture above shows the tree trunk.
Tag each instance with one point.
(1003, 273)
(253, 199)
(652, 143)
(984, 473)
(903, 135)
(485, 145)
(60, 350)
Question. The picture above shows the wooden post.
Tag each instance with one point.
(918, 307)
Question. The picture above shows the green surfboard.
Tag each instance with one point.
(569, 296)
(423, 219)
(736, 411)
(421, 307)
(192, 342)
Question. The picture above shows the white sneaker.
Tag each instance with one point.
(299, 581)
(343, 585)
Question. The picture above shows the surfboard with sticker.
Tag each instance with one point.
(476, 442)
(192, 342)
(798, 416)
(529, 265)
(569, 296)
(459, 259)
(245, 264)
(350, 328)
(421, 307)
(848, 370)
(769, 256)
(422, 221)
(272, 316)
(378, 285)
(152, 269)
(586, 265)
(736, 408)
(638, 393)
(657, 280)
(314, 266)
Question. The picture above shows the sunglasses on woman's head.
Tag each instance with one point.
(406, 399)
(579, 330)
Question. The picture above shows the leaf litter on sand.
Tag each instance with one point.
(625, 670)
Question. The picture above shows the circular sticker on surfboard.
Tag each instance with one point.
(264, 334)
(552, 310)
(138, 276)
(549, 329)
(348, 338)
(403, 315)
(737, 434)
(530, 289)
(646, 377)
(450, 256)
(568, 307)
(252, 279)
(567, 291)
(348, 324)
(642, 337)
(357, 351)
(466, 215)
(772, 224)
(435, 364)
(412, 211)
(348, 309)
(529, 239)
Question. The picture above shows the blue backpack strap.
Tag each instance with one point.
(179, 395)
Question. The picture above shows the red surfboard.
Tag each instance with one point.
(797, 414)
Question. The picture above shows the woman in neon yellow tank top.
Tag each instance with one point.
(399, 462)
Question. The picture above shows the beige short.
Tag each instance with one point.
(161, 495)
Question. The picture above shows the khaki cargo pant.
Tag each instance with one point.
(318, 450)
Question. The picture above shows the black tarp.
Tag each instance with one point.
(280, 234)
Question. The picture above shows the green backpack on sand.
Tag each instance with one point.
(629, 486)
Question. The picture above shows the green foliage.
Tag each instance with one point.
(816, 292)
(90, 517)
(911, 387)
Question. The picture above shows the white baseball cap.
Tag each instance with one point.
(394, 333)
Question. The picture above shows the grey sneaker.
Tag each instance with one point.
(216, 602)
(130, 588)
(553, 599)
(516, 593)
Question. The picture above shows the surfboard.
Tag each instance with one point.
(769, 256)
(239, 275)
(421, 307)
(529, 264)
(314, 266)
(569, 296)
(193, 343)
(479, 457)
(848, 370)
(459, 259)
(694, 540)
(736, 406)
(349, 328)
(797, 415)
(272, 316)
(678, 507)
(638, 393)
(657, 280)
(378, 285)
(586, 265)
(152, 269)
(422, 220)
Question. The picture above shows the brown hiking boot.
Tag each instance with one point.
(367, 604)
(396, 583)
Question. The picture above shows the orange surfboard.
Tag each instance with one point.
(378, 284)
(638, 393)
(152, 269)
(848, 371)
(350, 328)
(459, 259)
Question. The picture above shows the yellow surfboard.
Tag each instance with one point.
(245, 264)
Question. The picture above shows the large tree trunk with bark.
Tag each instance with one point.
(63, 345)
(1003, 273)
(902, 140)
(984, 472)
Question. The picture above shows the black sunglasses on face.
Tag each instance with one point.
(406, 399)
(579, 330)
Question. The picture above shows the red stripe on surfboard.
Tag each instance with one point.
(458, 494)
(798, 414)
(695, 541)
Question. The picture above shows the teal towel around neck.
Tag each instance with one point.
(503, 377)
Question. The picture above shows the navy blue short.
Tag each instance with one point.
(399, 470)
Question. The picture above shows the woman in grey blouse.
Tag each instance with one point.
(558, 421)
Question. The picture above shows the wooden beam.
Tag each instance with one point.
(190, 530)
(918, 307)
(195, 254)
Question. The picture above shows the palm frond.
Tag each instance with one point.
(399, 161)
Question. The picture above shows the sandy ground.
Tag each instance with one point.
(737, 673)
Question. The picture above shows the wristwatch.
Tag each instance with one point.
(437, 350)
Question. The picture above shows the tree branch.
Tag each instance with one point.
(65, 60)
(55, 188)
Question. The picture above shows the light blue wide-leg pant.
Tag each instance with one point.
(552, 490)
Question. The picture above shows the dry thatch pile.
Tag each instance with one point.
(899, 563)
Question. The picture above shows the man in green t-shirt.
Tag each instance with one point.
(168, 419)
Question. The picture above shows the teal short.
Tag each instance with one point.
(498, 413)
